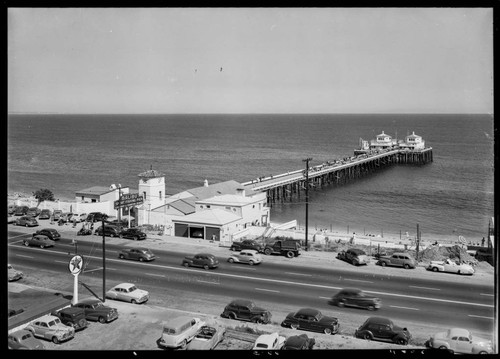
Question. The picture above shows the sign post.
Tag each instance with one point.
(75, 267)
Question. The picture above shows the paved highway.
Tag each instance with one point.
(404, 299)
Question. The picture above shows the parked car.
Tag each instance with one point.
(26, 221)
(49, 232)
(247, 256)
(109, 230)
(243, 309)
(132, 233)
(352, 297)
(459, 340)
(138, 254)
(11, 219)
(180, 331)
(51, 328)
(383, 329)
(72, 316)
(312, 320)
(39, 240)
(354, 256)
(207, 338)
(96, 310)
(398, 259)
(450, 266)
(247, 244)
(33, 212)
(78, 217)
(13, 274)
(203, 260)
(65, 217)
(128, 292)
(24, 339)
(45, 214)
(272, 341)
(299, 342)
(21, 211)
(57, 214)
(96, 217)
(11, 209)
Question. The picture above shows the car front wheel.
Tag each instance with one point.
(434, 269)
(185, 264)
(327, 331)
(42, 246)
(367, 336)
(55, 340)
(401, 341)
(26, 243)
(407, 266)
(294, 326)
(371, 307)
(382, 264)
(206, 267)
(121, 256)
(230, 260)
(340, 303)
(251, 263)
(102, 320)
(133, 301)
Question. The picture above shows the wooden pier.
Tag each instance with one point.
(284, 186)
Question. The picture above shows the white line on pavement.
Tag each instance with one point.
(478, 316)
(268, 290)
(324, 297)
(358, 280)
(414, 286)
(22, 255)
(207, 281)
(61, 262)
(488, 295)
(155, 275)
(26, 234)
(92, 270)
(302, 274)
(395, 306)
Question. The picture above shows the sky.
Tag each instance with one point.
(250, 60)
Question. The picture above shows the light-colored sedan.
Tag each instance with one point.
(23, 339)
(460, 340)
(272, 341)
(247, 256)
(207, 338)
(450, 267)
(50, 327)
(14, 274)
(128, 292)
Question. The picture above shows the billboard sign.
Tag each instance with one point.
(129, 200)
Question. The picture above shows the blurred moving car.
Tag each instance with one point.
(203, 260)
(207, 338)
(398, 259)
(299, 342)
(23, 339)
(52, 233)
(459, 340)
(247, 244)
(26, 221)
(109, 231)
(272, 341)
(243, 309)
(247, 256)
(96, 217)
(128, 292)
(132, 233)
(383, 329)
(138, 254)
(96, 310)
(45, 214)
(353, 297)
(13, 274)
(179, 331)
(39, 240)
(50, 327)
(354, 256)
(311, 319)
(450, 266)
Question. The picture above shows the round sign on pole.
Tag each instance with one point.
(76, 265)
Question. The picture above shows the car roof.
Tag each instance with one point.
(253, 251)
(88, 301)
(46, 318)
(124, 285)
(178, 321)
(459, 332)
(350, 290)
(356, 250)
(379, 320)
(204, 254)
(308, 311)
(138, 248)
(71, 309)
(296, 340)
(242, 302)
(20, 333)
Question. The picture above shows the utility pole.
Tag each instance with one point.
(418, 242)
(119, 204)
(103, 263)
(307, 194)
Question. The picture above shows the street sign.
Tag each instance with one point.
(76, 265)
(129, 200)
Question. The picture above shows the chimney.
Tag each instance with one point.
(241, 191)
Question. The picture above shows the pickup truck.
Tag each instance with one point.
(289, 248)
(397, 260)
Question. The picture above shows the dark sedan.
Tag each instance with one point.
(203, 260)
(38, 241)
(247, 244)
(49, 232)
(299, 342)
(312, 320)
(133, 233)
(352, 297)
(45, 214)
(383, 329)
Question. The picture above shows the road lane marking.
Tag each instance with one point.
(395, 306)
(268, 290)
(26, 234)
(414, 286)
(249, 268)
(22, 255)
(486, 294)
(282, 281)
(479, 316)
(324, 297)
(358, 280)
(92, 270)
(207, 281)
(62, 262)
(156, 275)
(301, 274)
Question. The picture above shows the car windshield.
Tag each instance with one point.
(131, 289)
(168, 330)
(261, 345)
(26, 336)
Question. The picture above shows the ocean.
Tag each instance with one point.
(452, 196)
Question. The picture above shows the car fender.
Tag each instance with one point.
(440, 343)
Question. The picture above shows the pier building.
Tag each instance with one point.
(369, 157)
